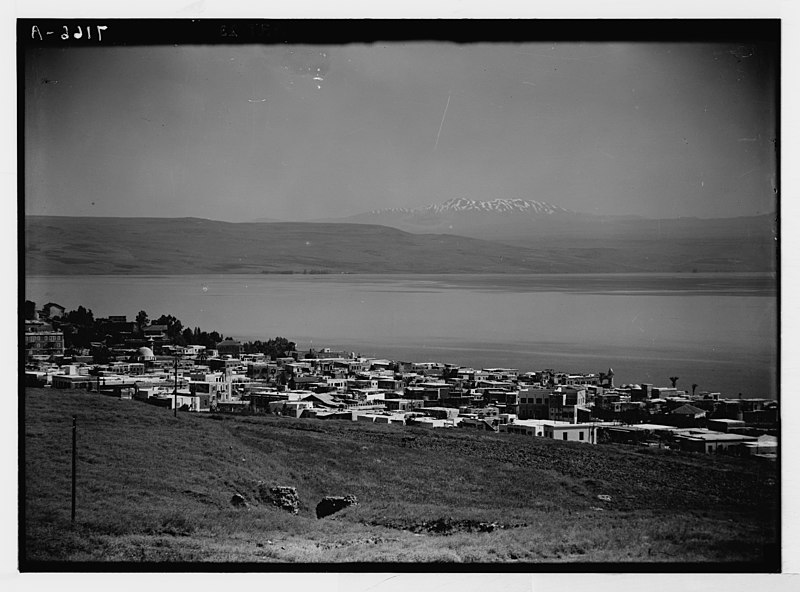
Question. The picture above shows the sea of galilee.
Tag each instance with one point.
(716, 330)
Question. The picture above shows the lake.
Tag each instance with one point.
(716, 330)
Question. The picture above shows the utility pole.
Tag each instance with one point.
(175, 392)
(74, 464)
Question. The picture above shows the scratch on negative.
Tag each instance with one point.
(442, 123)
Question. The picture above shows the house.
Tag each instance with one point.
(766, 446)
(534, 403)
(322, 400)
(635, 433)
(480, 423)
(572, 432)
(35, 379)
(440, 412)
(391, 418)
(502, 373)
(218, 391)
(709, 442)
(230, 347)
(428, 422)
(72, 378)
(52, 310)
(155, 331)
(435, 391)
(724, 425)
(403, 404)
(233, 406)
(686, 415)
(297, 381)
(564, 403)
(42, 340)
(291, 408)
(193, 402)
(525, 427)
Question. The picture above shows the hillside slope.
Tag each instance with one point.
(65, 245)
(155, 488)
(83, 246)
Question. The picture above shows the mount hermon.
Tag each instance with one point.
(497, 218)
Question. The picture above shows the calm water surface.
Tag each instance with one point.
(716, 330)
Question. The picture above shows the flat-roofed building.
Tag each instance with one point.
(711, 442)
(42, 340)
(571, 432)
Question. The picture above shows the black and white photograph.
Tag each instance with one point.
(438, 295)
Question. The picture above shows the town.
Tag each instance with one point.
(164, 364)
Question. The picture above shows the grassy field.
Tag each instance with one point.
(155, 488)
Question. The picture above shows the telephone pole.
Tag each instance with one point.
(74, 464)
(175, 392)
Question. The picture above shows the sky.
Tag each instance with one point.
(293, 132)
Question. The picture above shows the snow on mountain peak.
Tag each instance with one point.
(495, 206)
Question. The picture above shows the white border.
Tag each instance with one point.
(787, 10)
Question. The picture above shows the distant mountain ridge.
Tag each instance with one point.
(92, 245)
(528, 220)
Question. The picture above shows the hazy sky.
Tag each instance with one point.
(297, 132)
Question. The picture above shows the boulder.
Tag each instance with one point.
(283, 497)
(238, 501)
(332, 504)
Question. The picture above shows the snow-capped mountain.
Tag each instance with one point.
(496, 218)
(523, 221)
(494, 206)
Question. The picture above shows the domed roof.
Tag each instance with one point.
(145, 352)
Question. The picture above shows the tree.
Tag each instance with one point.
(30, 310)
(279, 347)
(141, 320)
(174, 326)
(212, 339)
(694, 388)
(674, 380)
(81, 317)
(101, 355)
(274, 348)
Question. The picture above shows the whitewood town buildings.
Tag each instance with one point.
(140, 361)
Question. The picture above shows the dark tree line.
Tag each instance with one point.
(279, 347)
(197, 337)
(81, 329)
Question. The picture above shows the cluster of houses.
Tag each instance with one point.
(327, 384)
(42, 341)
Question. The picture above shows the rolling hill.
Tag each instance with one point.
(156, 489)
(92, 245)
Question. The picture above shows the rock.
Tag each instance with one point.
(238, 501)
(283, 497)
(332, 504)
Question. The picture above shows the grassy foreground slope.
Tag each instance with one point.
(156, 488)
